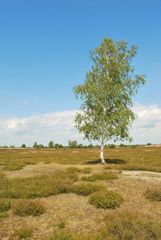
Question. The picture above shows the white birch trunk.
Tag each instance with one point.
(102, 154)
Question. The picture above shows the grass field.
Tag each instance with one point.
(66, 194)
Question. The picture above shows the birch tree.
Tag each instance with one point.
(107, 94)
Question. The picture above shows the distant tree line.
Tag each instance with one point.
(74, 144)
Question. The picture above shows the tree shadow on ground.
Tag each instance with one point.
(108, 160)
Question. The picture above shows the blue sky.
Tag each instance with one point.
(45, 44)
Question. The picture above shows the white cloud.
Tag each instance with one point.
(147, 127)
(59, 127)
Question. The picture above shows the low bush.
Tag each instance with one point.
(86, 188)
(106, 199)
(100, 177)
(153, 194)
(28, 208)
(5, 205)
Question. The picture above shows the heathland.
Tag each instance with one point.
(66, 194)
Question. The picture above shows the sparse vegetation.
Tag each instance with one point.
(87, 188)
(61, 225)
(28, 208)
(86, 170)
(23, 233)
(106, 199)
(100, 177)
(74, 170)
(62, 236)
(5, 205)
(3, 215)
(153, 194)
(129, 225)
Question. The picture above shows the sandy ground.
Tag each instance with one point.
(144, 175)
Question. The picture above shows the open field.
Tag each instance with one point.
(59, 194)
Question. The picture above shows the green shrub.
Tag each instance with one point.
(23, 233)
(86, 188)
(153, 194)
(100, 177)
(106, 199)
(5, 205)
(28, 208)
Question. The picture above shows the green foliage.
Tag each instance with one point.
(106, 176)
(57, 145)
(51, 144)
(123, 145)
(72, 144)
(28, 208)
(86, 188)
(153, 194)
(5, 205)
(111, 145)
(106, 199)
(35, 145)
(23, 145)
(107, 93)
(23, 233)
